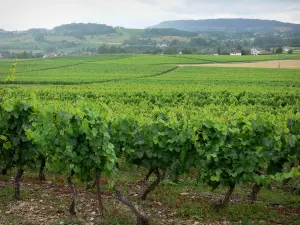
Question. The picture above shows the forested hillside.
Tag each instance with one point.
(237, 25)
(220, 36)
(81, 29)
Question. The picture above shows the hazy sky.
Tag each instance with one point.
(24, 14)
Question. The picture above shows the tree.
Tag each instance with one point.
(198, 41)
(245, 51)
(291, 51)
(174, 42)
(170, 51)
(39, 55)
(40, 38)
(279, 50)
(80, 37)
(239, 47)
(186, 51)
(113, 49)
(225, 52)
(157, 51)
(51, 49)
(80, 29)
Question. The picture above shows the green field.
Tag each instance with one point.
(93, 69)
(202, 126)
(145, 83)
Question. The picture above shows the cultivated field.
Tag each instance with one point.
(221, 139)
(284, 64)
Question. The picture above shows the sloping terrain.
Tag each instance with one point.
(237, 25)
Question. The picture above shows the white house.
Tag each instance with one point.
(286, 48)
(50, 55)
(162, 45)
(255, 51)
(1, 56)
(236, 53)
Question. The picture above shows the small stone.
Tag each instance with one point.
(93, 213)
(184, 193)
(155, 204)
(8, 212)
(196, 223)
(92, 219)
(22, 204)
(61, 222)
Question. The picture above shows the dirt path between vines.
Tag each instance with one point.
(286, 64)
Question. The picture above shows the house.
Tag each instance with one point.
(162, 45)
(265, 52)
(255, 51)
(86, 53)
(286, 48)
(50, 55)
(236, 53)
(1, 56)
(213, 53)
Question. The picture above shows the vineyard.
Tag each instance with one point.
(136, 139)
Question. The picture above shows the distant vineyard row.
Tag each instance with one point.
(99, 68)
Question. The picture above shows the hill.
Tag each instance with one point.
(234, 25)
(217, 36)
(154, 32)
(81, 29)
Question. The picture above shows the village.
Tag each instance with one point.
(252, 51)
